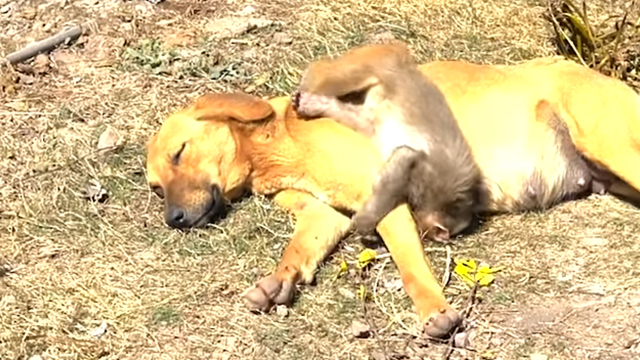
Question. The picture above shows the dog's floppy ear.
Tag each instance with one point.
(238, 106)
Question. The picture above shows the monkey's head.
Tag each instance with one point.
(348, 79)
(445, 217)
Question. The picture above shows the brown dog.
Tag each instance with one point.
(224, 144)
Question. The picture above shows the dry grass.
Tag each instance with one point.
(609, 45)
(67, 264)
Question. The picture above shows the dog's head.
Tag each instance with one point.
(195, 162)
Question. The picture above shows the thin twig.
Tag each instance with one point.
(463, 314)
(447, 271)
(387, 255)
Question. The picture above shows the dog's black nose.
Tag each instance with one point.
(176, 217)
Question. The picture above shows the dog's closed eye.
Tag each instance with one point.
(175, 159)
(157, 189)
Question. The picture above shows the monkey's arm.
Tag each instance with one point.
(389, 190)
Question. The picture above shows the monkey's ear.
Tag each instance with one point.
(237, 106)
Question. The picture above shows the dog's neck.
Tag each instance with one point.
(273, 153)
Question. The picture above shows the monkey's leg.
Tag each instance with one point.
(399, 233)
(389, 190)
(318, 229)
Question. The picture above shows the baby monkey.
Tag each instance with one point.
(378, 90)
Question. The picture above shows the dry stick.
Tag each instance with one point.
(46, 45)
(464, 314)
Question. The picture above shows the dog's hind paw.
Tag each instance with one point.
(442, 323)
(269, 292)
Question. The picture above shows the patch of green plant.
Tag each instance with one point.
(150, 55)
(165, 315)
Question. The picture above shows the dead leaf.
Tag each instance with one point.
(5, 9)
(360, 330)
(100, 330)
(29, 13)
(180, 38)
(538, 357)
(109, 140)
(41, 64)
(49, 252)
(366, 256)
(94, 191)
(103, 50)
(234, 26)
(282, 38)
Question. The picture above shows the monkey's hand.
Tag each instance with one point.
(310, 106)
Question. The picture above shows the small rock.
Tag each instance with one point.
(538, 357)
(461, 340)
(248, 10)
(347, 293)
(282, 310)
(393, 285)
(257, 272)
(26, 79)
(250, 54)
(360, 330)
(282, 38)
(100, 330)
(109, 140)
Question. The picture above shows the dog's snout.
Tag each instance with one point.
(176, 217)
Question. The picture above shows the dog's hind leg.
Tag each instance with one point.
(604, 123)
(318, 229)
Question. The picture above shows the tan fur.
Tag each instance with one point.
(315, 167)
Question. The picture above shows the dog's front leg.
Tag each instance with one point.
(318, 229)
(400, 235)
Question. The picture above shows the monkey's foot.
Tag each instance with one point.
(269, 292)
(364, 223)
(442, 323)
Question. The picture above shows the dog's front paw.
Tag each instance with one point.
(441, 323)
(269, 292)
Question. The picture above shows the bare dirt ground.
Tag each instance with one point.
(570, 289)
